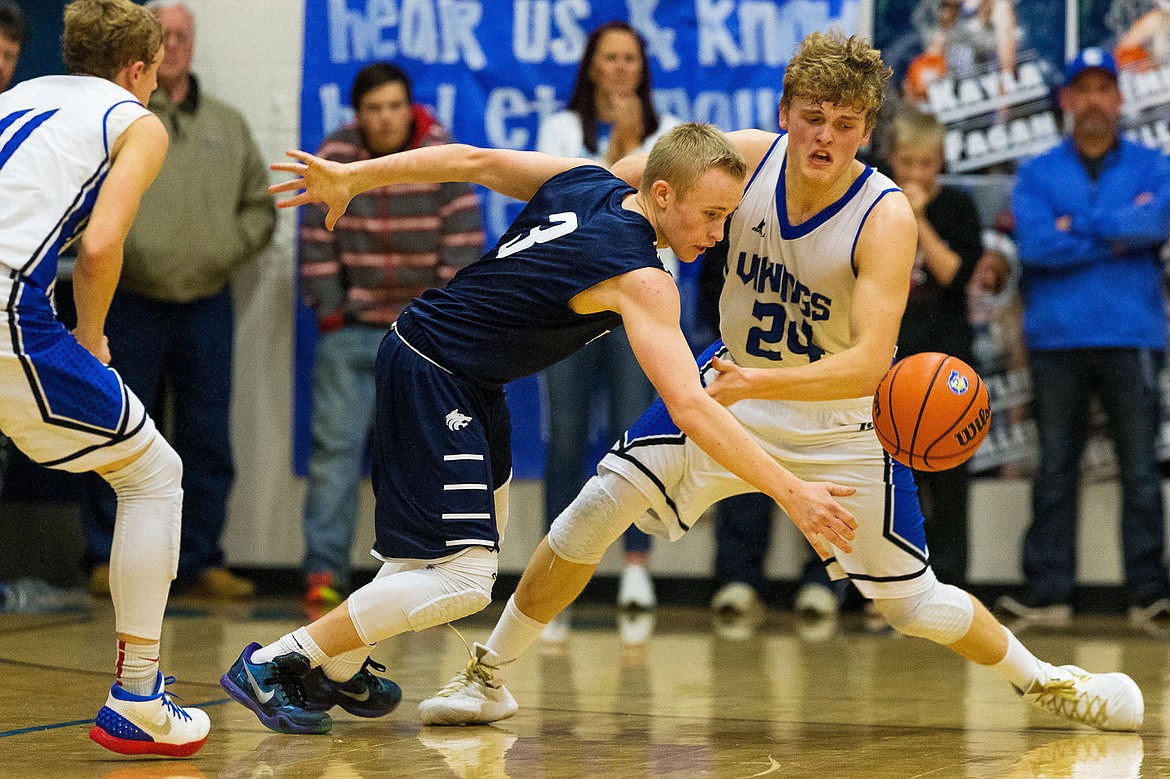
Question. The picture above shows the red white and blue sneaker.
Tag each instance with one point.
(132, 724)
(364, 694)
(275, 692)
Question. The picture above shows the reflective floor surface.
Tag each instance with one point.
(664, 695)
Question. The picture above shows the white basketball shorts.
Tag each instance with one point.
(58, 403)
(818, 441)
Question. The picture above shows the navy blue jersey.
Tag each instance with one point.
(507, 315)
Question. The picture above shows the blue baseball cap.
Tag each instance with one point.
(1092, 57)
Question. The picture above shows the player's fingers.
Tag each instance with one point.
(286, 186)
(847, 517)
(293, 202)
(289, 167)
(841, 542)
(843, 528)
(819, 545)
(839, 489)
(297, 154)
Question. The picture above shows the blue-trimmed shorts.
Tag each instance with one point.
(818, 441)
(442, 447)
(58, 403)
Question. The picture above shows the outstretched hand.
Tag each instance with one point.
(819, 517)
(731, 385)
(318, 181)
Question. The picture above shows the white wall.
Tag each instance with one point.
(249, 53)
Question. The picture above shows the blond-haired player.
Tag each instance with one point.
(577, 262)
(819, 262)
(76, 153)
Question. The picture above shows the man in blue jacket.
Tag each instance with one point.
(1091, 216)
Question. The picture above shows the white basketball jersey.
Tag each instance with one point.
(56, 133)
(788, 294)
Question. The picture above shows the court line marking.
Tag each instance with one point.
(87, 671)
(56, 725)
(52, 623)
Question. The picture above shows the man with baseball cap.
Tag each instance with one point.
(1091, 216)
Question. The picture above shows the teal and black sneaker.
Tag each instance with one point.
(365, 694)
(275, 692)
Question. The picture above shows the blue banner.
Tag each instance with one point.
(490, 71)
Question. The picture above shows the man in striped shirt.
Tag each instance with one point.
(393, 244)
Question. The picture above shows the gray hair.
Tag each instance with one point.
(158, 5)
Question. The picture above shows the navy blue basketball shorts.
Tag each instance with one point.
(442, 446)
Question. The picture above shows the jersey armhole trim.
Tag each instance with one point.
(760, 167)
(106, 122)
(853, 249)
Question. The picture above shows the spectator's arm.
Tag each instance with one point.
(939, 259)
(1141, 224)
(963, 238)
(1042, 245)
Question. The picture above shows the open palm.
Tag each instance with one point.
(318, 181)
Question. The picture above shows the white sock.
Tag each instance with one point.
(297, 641)
(342, 667)
(1019, 666)
(137, 667)
(515, 632)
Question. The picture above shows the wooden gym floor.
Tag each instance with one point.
(790, 700)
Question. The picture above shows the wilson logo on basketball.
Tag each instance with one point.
(457, 420)
(971, 431)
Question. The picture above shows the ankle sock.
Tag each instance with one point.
(137, 667)
(297, 641)
(515, 632)
(1018, 666)
(342, 667)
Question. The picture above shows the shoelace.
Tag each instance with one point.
(290, 684)
(475, 670)
(372, 663)
(170, 705)
(367, 675)
(1060, 696)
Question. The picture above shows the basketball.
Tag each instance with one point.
(931, 411)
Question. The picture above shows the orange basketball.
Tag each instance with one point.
(931, 411)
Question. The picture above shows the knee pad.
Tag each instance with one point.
(943, 614)
(149, 494)
(413, 596)
(147, 529)
(601, 512)
(467, 588)
(447, 608)
(156, 473)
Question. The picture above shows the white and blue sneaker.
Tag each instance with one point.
(132, 724)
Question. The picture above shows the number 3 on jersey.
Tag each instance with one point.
(562, 224)
(758, 336)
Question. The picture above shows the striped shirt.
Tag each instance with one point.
(392, 244)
